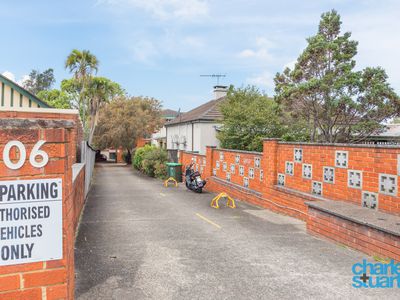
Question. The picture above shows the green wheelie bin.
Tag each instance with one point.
(174, 170)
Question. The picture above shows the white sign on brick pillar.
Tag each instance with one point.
(31, 221)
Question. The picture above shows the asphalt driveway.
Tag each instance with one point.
(140, 240)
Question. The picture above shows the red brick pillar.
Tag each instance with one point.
(119, 155)
(40, 279)
(269, 164)
(180, 156)
(209, 161)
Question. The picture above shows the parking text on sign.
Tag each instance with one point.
(30, 221)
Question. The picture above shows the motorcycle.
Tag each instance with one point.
(193, 180)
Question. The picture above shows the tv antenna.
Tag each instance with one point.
(217, 76)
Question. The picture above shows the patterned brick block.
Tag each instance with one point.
(307, 171)
(388, 184)
(341, 159)
(257, 162)
(316, 188)
(329, 174)
(298, 155)
(354, 179)
(289, 168)
(251, 173)
(237, 159)
(241, 170)
(369, 200)
(281, 179)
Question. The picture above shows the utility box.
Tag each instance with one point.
(174, 170)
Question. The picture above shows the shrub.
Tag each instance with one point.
(160, 170)
(139, 155)
(154, 162)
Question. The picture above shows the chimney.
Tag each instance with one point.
(220, 91)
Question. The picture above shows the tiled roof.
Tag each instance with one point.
(391, 130)
(169, 113)
(208, 112)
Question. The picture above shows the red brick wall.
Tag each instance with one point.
(49, 279)
(289, 197)
(140, 142)
(365, 164)
(79, 196)
(227, 163)
(369, 161)
(200, 162)
(362, 238)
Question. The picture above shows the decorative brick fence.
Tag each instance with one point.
(61, 131)
(347, 193)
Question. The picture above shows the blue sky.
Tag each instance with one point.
(159, 48)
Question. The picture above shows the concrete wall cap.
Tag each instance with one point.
(240, 151)
(341, 145)
(35, 123)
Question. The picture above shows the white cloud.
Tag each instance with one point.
(377, 46)
(260, 52)
(23, 79)
(144, 51)
(9, 75)
(12, 77)
(164, 9)
(150, 50)
(290, 65)
(265, 79)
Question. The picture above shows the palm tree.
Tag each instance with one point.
(82, 64)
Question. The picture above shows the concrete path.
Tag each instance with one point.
(139, 240)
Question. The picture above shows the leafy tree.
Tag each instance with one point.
(100, 90)
(72, 88)
(124, 120)
(39, 81)
(249, 116)
(324, 91)
(56, 98)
